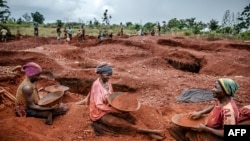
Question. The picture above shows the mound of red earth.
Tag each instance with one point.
(154, 68)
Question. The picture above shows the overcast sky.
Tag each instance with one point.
(135, 11)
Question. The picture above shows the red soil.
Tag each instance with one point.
(156, 69)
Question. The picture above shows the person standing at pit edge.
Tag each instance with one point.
(159, 29)
(83, 32)
(121, 30)
(4, 34)
(58, 31)
(35, 29)
(70, 32)
(27, 97)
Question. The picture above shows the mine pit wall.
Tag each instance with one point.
(83, 86)
(189, 67)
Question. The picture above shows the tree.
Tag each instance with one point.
(213, 25)
(37, 17)
(164, 26)
(226, 20)
(59, 23)
(183, 24)
(96, 22)
(173, 23)
(129, 24)
(190, 22)
(236, 25)
(137, 26)
(5, 13)
(26, 17)
(244, 18)
(197, 27)
(19, 21)
(90, 23)
(106, 17)
(149, 26)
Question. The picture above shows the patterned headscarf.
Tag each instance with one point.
(32, 69)
(229, 86)
(103, 68)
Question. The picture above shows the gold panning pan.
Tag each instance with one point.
(185, 121)
(51, 98)
(124, 101)
(54, 88)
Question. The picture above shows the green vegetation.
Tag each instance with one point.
(234, 26)
(4, 13)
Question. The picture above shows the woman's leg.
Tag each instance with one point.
(150, 131)
(120, 125)
(41, 114)
(49, 119)
(63, 108)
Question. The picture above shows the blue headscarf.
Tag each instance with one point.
(104, 68)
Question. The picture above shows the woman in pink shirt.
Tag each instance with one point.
(106, 119)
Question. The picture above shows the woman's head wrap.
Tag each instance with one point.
(103, 68)
(229, 86)
(31, 69)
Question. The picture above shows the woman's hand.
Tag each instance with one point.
(105, 99)
(195, 115)
(201, 127)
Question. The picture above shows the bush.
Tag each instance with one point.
(187, 33)
(245, 35)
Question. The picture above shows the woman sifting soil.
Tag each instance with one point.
(106, 119)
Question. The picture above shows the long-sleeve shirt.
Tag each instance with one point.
(98, 105)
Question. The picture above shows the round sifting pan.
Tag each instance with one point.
(54, 88)
(124, 101)
(51, 98)
(185, 121)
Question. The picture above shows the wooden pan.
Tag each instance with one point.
(124, 101)
(51, 99)
(54, 88)
(185, 121)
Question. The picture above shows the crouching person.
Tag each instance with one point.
(224, 111)
(27, 97)
(106, 119)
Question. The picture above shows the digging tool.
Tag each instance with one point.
(8, 94)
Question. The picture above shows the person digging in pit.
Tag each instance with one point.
(106, 119)
(27, 97)
(223, 112)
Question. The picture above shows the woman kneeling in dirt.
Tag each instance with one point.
(223, 112)
(106, 119)
(27, 97)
